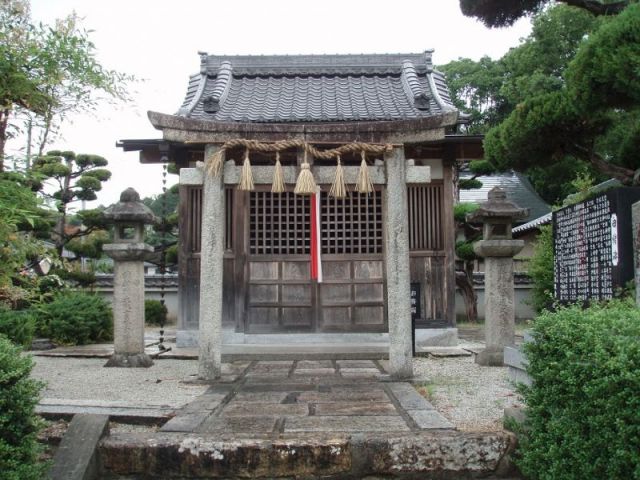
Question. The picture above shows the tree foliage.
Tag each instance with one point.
(20, 210)
(75, 177)
(595, 100)
(165, 207)
(503, 13)
(19, 424)
(566, 101)
(48, 72)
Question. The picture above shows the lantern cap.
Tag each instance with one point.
(497, 205)
(129, 209)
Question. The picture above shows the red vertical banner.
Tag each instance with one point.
(316, 238)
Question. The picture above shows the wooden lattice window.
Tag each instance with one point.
(279, 224)
(425, 216)
(228, 219)
(194, 219)
(352, 225)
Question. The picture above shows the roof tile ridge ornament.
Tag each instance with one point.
(213, 102)
(420, 98)
(428, 55)
(202, 83)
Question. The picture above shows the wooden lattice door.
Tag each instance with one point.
(280, 294)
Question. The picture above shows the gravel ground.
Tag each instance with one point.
(472, 397)
(87, 379)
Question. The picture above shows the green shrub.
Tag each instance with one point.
(76, 318)
(19, 449)
(584, 406)
(155, 313)
(541, 270)
(18, 325)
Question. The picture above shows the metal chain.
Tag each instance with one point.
(163, 256)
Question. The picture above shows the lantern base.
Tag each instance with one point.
(129, 360)
(490, 358)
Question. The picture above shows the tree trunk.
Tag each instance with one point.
(465, 284)
(4, 120)
(624, 175)
(598, 7)
(45, 133)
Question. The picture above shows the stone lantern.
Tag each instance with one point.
(128, 250)
(498, 249)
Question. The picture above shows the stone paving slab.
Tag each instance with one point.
(356, 364)
(364, 423)
(429, 419)
(278, 379)
(313, 372)
(151, 416)
(241, 409)
(408, 397)
(206, 402)
(277, 374)
(257, 424)
(360, 372)
(185, 422)
(306, 364)
(260, 397)
(280, 398)
(344, 395)
(355, 408)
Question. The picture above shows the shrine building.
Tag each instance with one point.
(316, 199)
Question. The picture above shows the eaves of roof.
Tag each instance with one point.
(181, 129)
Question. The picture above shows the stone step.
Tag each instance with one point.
(428, 455)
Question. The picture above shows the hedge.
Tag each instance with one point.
(155, 313)
(76, 318)
(19, 448)
(18, 325)
(584, 405)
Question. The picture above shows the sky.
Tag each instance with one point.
(157, 41)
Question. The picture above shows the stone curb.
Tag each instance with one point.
(434, 455)
(76, 457)
(133, 416)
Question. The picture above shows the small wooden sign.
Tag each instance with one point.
(416, 314)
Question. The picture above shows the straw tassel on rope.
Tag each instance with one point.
(338, 189)
(305, 185)
(363, 182)
(278, 177)
(213, 164)
(246, 178)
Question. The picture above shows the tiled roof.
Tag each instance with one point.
(316, 88)
(535, 223)
(519, 191)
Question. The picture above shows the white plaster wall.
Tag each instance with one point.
(524, 311)
(170, 298)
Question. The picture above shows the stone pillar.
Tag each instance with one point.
(635, 222)
(128, 252)
(397, 266)
(498, 249)
(211, 259)
(128, 305)
(499, 304)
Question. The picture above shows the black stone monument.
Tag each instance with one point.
(593, 246)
